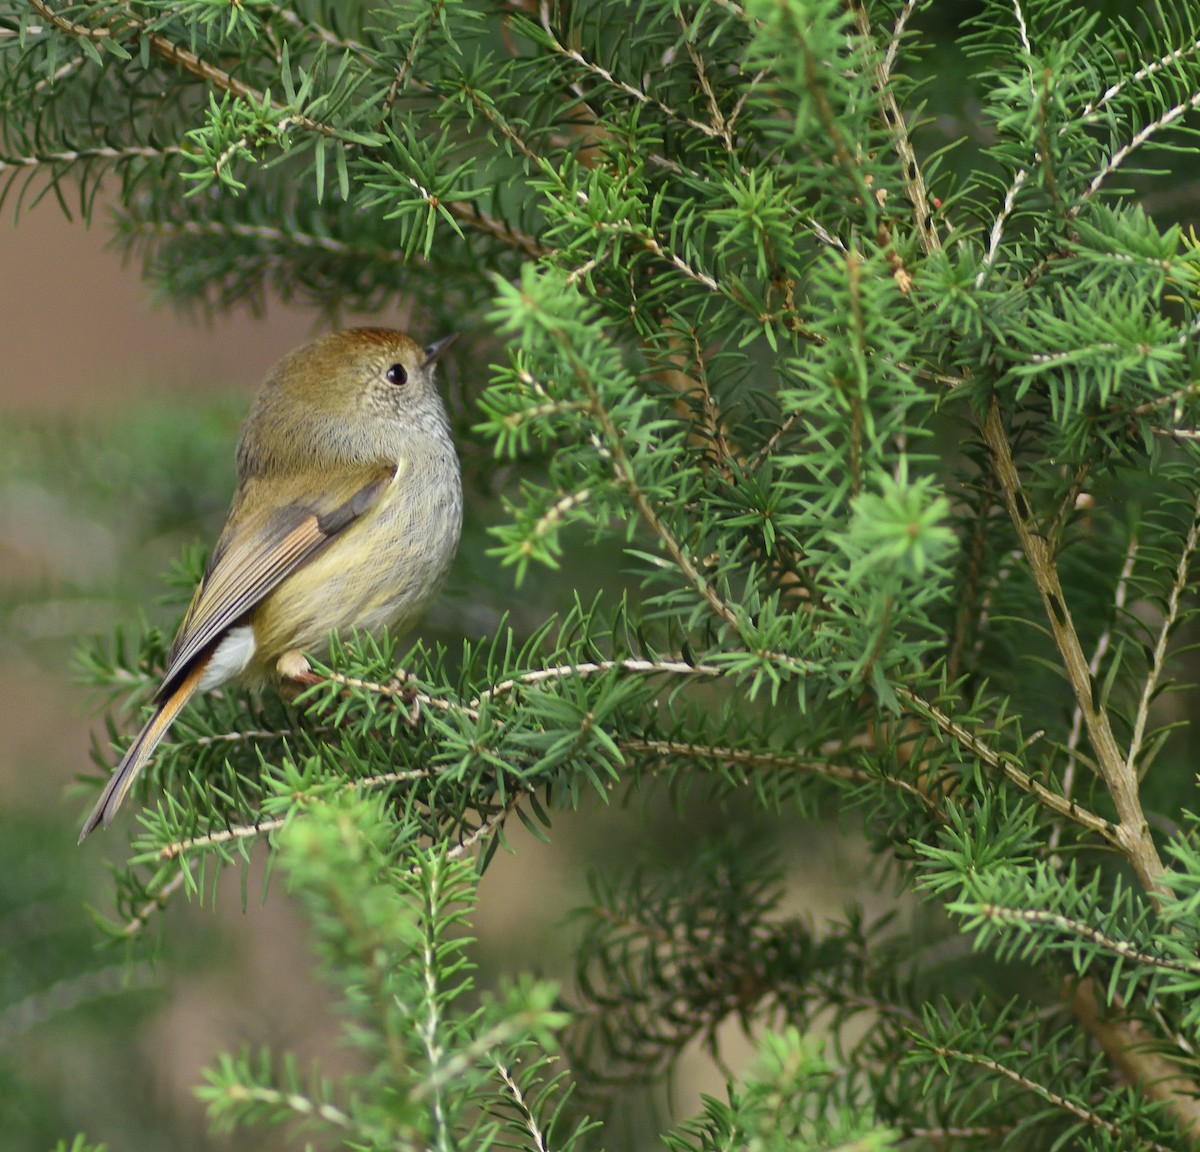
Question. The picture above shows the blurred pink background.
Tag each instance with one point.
(79, 325)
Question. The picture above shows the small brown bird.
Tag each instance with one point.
(347, 515)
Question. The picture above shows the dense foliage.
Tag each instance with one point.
(896, 441)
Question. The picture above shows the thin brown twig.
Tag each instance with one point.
(1189, 391)
(467, 845)
(501, 124)
(1143, 136)
(224, 836)
(1061, 805)
(528, 1118)
(914, 183)
(1133, 831)
(325, 35)
(156, 903)
(1130, 1047)
(1159, 655)
(893, 49)
(124, 24)
(720, 125)
(1071, 1107)
(20, 1016)
(594, 668)
(401, 77)
(623, 468)
(967, 611)
(100, 152)
(594, 69)
(974, 1132)
(263, 232)
(401, 685)
(1098, 654)
(1079, 930)
(773, 440)
(1089, 110)
(261, 827)
(745, 758)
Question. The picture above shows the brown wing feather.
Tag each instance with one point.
(258, 551)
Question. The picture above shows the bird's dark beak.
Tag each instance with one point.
(433, 351)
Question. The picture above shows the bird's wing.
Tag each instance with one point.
(259, 549)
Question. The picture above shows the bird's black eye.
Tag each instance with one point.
(397, 374)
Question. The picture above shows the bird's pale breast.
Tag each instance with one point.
(381, 571)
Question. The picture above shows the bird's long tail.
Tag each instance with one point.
(140, 751)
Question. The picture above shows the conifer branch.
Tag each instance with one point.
(750, 760)
(244, 735)
(464, 213)
(324, 35)
(125, 25)
(404, 72)
(593, 69)
(893, 118)
(263, 826)
(156, 903)
(500, 123)
(623, 468)
(719, 125)
(62, 72)
(69, 27)
(404, 687)
(296, 1102)
(1133, 832)
(1159, 654)
(401, 686)
(594, 668)
(487, 827)
(1173, 399)
(853, 386)
(996, 235)
(651, 243)
(1143, 73)
(938, 1136)
(1061, 805)
(815, 85)
(294, 237)
(969, 605)
(898, 30)
(1139, 139)
(1071, 1107)
(772, 442)
(1081, 931)
(99, 152)
(1094, 665)
(475, 217)
(224, 836)
(1127, 1043)
(524, 1110)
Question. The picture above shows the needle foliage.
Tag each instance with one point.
(843, 335)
